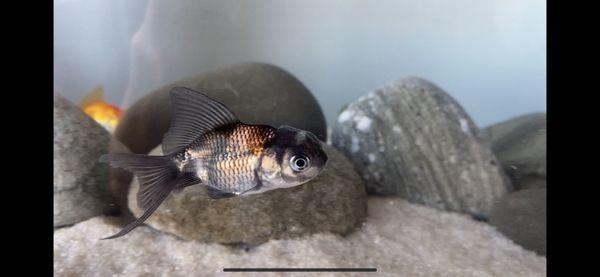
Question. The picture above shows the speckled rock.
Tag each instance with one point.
(520, 145)
(335, 201)
(81, 183)
(119, 184)
(256, 92)
(398, 238)
(412, 139)
(521, 216)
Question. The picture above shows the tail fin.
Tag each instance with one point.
(157, 176)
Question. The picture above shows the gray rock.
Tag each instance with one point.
(81, 189)
(412, 139)
(520, 145)
(335, 201)
(119, 183)
(521, 216)
(257, 93)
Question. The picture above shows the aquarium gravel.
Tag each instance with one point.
(399, 239)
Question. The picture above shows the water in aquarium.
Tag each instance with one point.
(300, 138)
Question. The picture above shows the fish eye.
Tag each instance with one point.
(299, 162)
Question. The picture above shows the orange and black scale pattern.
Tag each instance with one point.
(228, 157)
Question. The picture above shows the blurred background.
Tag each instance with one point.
(489, 55)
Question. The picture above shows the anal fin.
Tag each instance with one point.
(218, 194)
(184, 180)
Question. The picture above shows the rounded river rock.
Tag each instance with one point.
(257, 93)
(412, 139)
(520, 145)
(335, 201)
(521, 216)
(81, 183)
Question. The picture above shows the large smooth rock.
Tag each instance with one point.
(412, 139)
(335, 201)
(521, 216)
(520, 145)
(256, 92)
(81, 183)
(398, 238)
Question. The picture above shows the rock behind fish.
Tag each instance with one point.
(257, 93)
(335, 201)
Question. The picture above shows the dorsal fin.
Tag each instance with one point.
(194, 114)
(95, 95)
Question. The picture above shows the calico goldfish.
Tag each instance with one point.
(105, 114)
(207, 145)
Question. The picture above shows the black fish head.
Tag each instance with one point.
(299, 155)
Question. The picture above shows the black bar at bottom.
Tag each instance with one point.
(283, 269)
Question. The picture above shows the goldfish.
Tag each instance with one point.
(105, 114)
(206, 144)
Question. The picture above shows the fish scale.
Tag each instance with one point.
(228, 157)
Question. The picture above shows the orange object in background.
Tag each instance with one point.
(105, 114)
